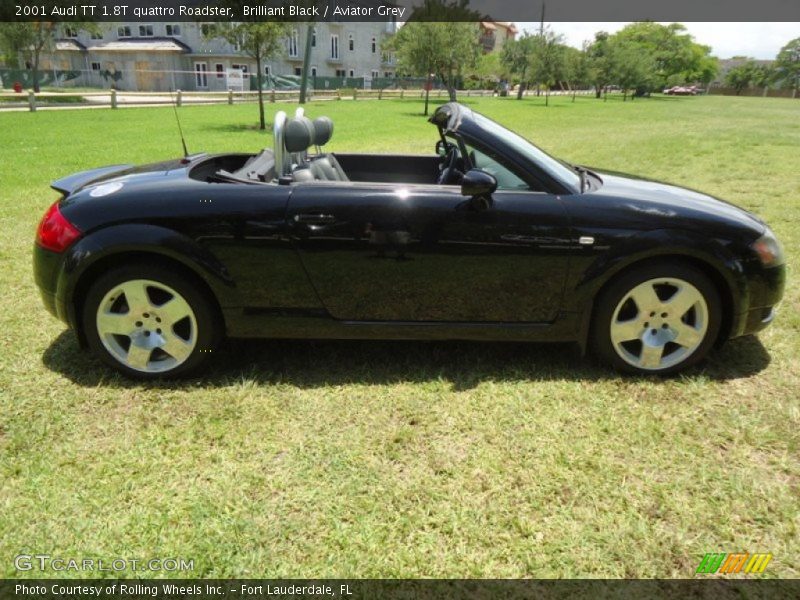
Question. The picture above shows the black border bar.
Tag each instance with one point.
(382, 10)
(399, 589)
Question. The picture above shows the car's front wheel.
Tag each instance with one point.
(659, 318)
(150, 322)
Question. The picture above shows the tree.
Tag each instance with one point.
(576, 68)
(489, 68)
(676, 58)
(762, 76)
(787, 65)
(740, 77)
(443, 49)
(598, 62)
(630, 67)
(259, 40)
(547, 60)
(25, 42)
(516, 57)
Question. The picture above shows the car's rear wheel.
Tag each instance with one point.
(150, 322)
(657, 319)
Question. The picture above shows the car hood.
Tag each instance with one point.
(126, 172)
(670, 201)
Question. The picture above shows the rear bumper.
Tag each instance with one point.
(46, 269)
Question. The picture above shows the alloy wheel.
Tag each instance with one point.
(659, 323)
(147, 326)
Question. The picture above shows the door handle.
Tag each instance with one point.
(314, 219)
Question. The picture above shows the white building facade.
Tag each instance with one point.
(164, 56)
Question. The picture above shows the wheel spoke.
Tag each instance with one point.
(174, 310)
(645, 297)
(624, 331)
(138, 356)
(682, 300)
(114, 323)
(650, 357)
(136, 296)
(688, 336)
(176, 347)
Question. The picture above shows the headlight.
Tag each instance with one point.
(769, 250)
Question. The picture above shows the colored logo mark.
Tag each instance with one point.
(738, 562)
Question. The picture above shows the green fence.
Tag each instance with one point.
(49, 77)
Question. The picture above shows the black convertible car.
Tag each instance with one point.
(486, 238)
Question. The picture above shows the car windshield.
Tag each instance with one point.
(553, 166)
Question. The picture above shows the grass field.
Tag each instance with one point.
(369, 459)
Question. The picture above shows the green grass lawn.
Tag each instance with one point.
(377, 459)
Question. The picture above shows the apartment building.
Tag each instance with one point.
(164, 56)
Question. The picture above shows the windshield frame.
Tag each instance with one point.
(553, 166)
(532, 163)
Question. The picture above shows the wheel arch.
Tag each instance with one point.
(96, 254)
(723, 281)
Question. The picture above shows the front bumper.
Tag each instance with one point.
(765, 290)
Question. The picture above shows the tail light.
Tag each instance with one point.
(55, 232)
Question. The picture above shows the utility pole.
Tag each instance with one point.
(306, 63)
(541, 39)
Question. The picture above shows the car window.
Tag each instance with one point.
(506, 179)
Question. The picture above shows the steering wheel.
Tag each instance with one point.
(449, 171)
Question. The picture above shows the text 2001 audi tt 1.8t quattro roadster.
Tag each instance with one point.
(486, 238)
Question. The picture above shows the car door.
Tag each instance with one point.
(394, 252)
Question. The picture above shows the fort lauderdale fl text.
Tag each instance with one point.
(140, 589)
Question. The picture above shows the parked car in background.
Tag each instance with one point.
(683, 90)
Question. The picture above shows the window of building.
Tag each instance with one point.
(220, 69)
(334, 46)
(267, 70)
(124, 31)
(242, 67)
(351, 43)
(374, 45)
(314, 37)
(96, 35)
(174, 30)
(340, 72)
(145, 31)
(387, 74)
(70, 32)
(96, 66)
(352, 73)
(298, 71)
(375, 74)
(291, 43)
(313, 71)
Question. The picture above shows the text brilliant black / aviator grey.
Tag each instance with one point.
(486, 238)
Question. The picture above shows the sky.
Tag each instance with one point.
(757, 40)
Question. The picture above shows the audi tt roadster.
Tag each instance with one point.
(485, 238)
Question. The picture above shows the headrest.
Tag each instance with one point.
(323, 130)
(298, 134)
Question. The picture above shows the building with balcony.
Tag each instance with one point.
(165, 56)
(495, 33)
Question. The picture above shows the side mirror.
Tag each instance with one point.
(478, 184)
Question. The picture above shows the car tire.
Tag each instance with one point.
(150, 322)
(656, 319)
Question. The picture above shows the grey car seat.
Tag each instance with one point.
(297, 137)
(325, 166)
